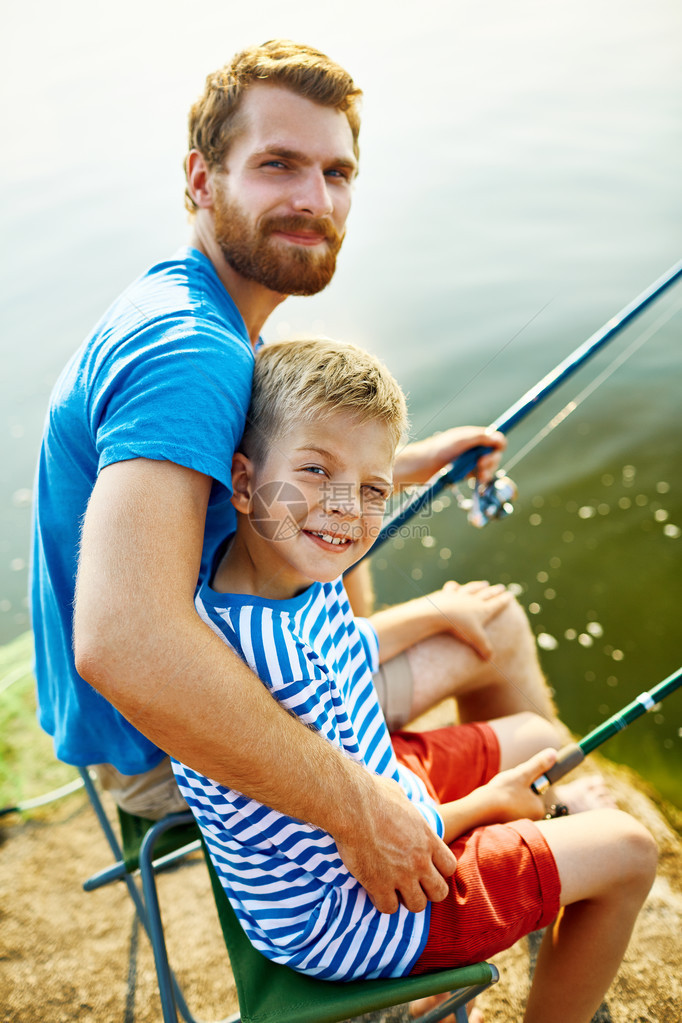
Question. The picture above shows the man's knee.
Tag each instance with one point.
(152, 794)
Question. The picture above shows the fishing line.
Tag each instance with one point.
(485, 366)
(572, 405)
(587, 391)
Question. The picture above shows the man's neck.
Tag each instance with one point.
(254, 302)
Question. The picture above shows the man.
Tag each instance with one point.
(137, 448)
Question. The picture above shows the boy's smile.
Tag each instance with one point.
(312, 508)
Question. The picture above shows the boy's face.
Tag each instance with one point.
(318, 501)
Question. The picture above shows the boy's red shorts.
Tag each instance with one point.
(506, 883)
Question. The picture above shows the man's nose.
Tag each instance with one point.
(313, 196)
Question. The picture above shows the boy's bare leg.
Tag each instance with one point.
(607, 863)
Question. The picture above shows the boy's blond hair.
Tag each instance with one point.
(214, 119)
(307, 380)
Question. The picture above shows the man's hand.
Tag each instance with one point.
(394, 854)
(419, 461)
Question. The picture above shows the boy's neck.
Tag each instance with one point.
(246, 570)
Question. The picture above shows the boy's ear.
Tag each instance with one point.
(242, 475)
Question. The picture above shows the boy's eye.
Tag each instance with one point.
(375, 494)
(314, 469)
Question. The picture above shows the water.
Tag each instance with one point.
(519, 185)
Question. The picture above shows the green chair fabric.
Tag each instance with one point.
(271, 993)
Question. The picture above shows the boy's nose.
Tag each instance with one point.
(343, 502)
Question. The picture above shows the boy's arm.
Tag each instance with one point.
(358, 586)
(506, 797)
(139, 641)
(462, 611)
(419, 461)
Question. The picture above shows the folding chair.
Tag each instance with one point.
(267, 991)
(177, 837)
(271, 993)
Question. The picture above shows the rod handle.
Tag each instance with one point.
(567, 758)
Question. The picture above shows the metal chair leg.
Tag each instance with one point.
(172, 995)
(172, 999)
(457, 1003)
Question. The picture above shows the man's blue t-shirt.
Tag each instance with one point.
(166, 375)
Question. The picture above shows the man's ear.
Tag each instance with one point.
(242, 475)
(199, 179)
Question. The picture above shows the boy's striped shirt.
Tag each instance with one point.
(286, 881)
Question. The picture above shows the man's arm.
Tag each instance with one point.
(139, 641)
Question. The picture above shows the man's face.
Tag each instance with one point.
(281, 203)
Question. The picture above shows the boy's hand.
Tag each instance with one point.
(417, 462)
(511, 793)
(466, 610)
(393, 853)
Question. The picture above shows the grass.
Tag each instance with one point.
(28, 766)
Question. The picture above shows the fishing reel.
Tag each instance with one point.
(488, 501)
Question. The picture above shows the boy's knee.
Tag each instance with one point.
(644, 852)
(514, 616)
(636, 848)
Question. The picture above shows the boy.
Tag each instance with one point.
(310, 481)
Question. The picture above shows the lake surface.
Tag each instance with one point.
(520, 184)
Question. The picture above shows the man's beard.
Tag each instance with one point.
(284, 268)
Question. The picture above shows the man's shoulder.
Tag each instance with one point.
(176, 308)
(184, 287)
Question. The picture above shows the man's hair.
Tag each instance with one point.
(214, 118)
(305, 381)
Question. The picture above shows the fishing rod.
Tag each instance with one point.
(573, 754)
(49, 797)
(494, 501)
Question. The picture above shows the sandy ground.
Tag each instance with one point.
(67, 955)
